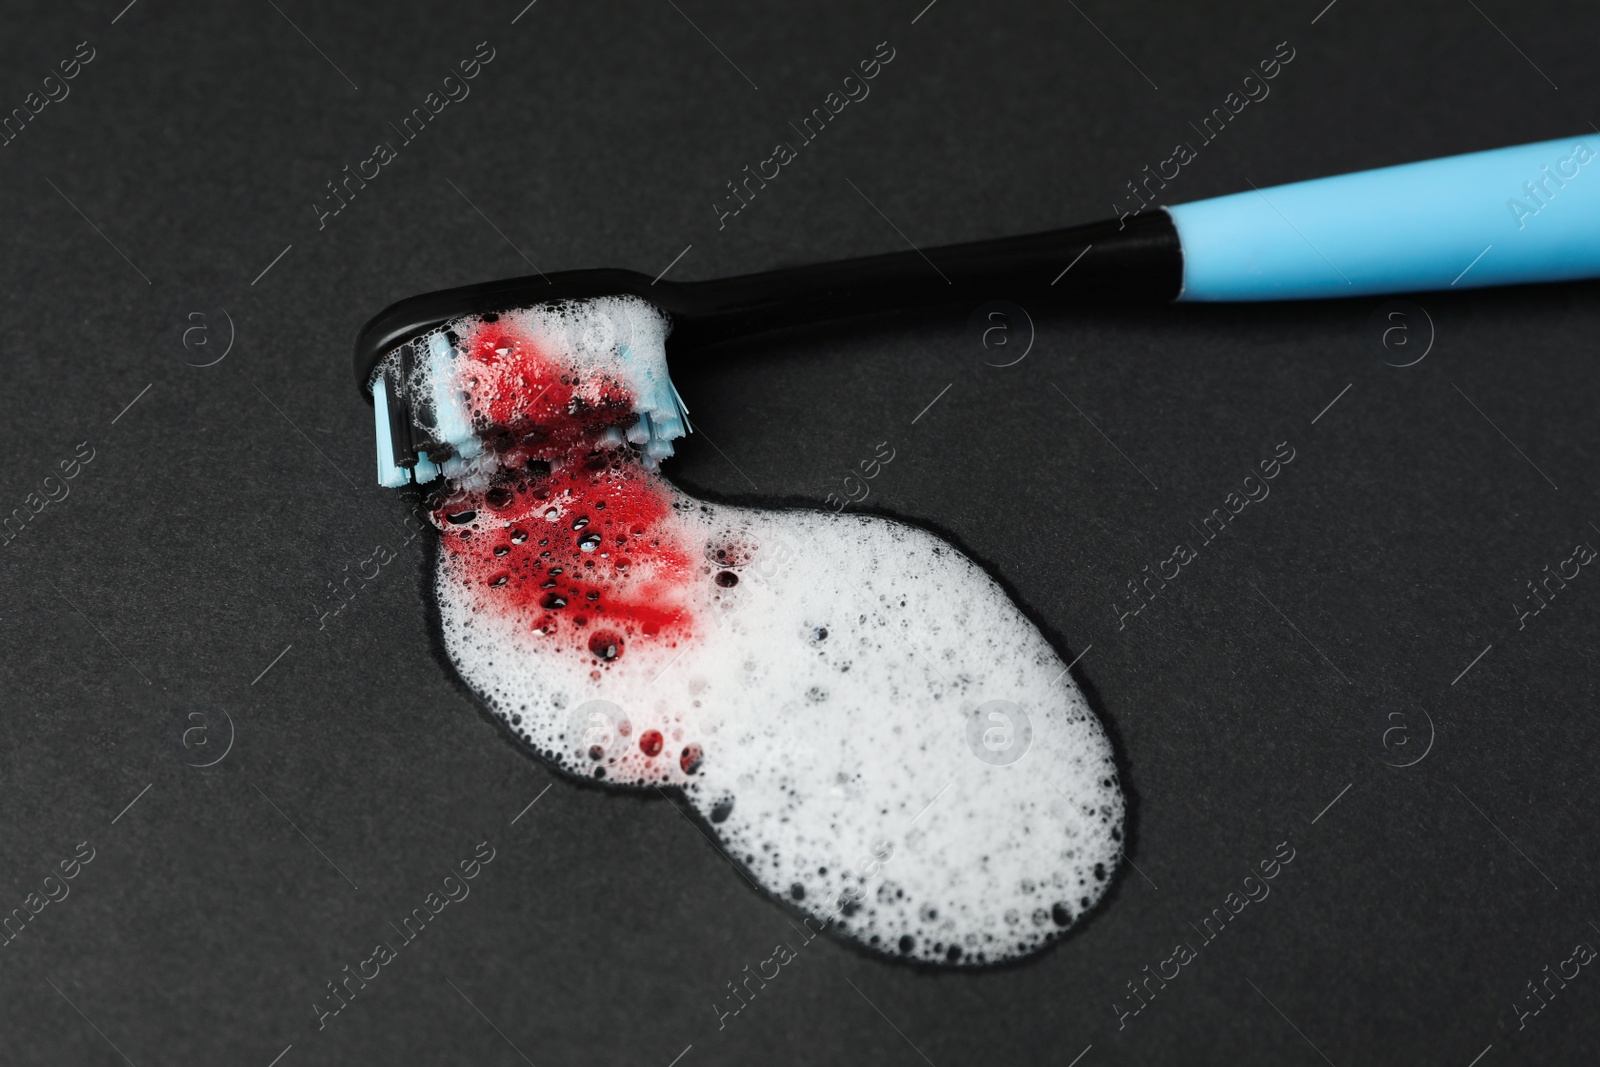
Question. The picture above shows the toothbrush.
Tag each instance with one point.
(603, 615)
(1508, 216)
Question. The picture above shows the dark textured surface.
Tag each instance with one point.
(200, 540)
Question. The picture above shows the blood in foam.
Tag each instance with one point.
(573, 538)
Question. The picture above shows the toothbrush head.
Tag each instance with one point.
(407, 320)
(477, 391)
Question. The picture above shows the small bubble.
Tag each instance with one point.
(589, 542)
(727, 579)
(691, 758)
(605, 645)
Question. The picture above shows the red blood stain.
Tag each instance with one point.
(527, 405)
(584, 554)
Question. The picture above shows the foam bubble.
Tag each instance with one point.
(873, 731)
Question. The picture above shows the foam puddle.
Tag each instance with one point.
(871, 728)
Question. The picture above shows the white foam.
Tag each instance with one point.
(841, 693)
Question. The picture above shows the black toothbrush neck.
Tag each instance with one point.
(1137, 261)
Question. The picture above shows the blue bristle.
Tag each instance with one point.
(663, 417)
(425, 470)
(390, 474)
(452, 421)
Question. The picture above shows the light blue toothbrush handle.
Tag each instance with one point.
(1503, 217)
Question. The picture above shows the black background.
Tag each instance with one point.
(201, 539)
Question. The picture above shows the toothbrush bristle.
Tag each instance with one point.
(429, 429)
(390, 474)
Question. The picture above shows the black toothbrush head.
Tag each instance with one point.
(406, 320)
